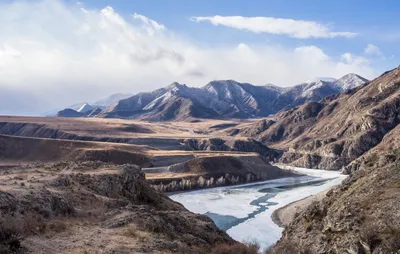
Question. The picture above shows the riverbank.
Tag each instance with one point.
(284, 215)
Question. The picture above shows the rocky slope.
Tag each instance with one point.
(74, 208)
(361, 215)
(222, 99)
(360, 131)
(337, 130)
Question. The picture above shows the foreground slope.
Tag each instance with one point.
(87, 207)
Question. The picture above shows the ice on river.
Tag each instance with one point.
(244, 211)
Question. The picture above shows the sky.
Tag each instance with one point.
(55, 53)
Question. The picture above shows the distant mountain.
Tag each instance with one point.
(220, 99)
(69, 112)
(102, 104)
(85, 108)
(350, 81)
(94, 112)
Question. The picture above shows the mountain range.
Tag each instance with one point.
(218, 99)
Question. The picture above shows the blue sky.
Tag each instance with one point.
(376, 22)
(54, 53)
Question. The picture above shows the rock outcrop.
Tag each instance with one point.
(109, 208)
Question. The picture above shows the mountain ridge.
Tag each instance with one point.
(333, 132)
(222, 99)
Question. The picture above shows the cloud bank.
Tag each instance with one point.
(301, 29)
(54, 54)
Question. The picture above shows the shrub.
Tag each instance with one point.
(130, 231)
(237, 248)
(11, 234)
(133, 232)
(287, 248)
(33, 224)
(57, 226)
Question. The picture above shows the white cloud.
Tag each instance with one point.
(371, 49)
(293, 28)
(60, 54)
(150, 25)
(349, 58)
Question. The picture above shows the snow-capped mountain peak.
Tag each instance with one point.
(85, 108)
(350, 81)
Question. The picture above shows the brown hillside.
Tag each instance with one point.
(18, 149)
(339, 129)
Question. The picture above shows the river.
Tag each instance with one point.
(244, 211)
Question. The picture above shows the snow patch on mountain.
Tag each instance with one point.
(350, 81)
(325, 79)
(85, 108)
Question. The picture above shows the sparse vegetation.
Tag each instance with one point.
(11, 234)
(237, 248)
(286, 248)
(15, 228)
(132, 231)
(57, 226)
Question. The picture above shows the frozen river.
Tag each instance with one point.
(244, 211)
